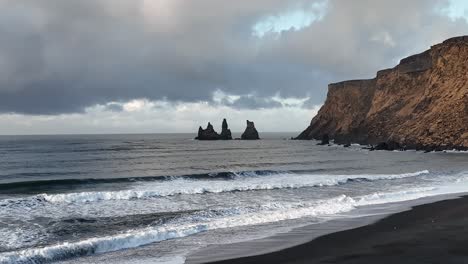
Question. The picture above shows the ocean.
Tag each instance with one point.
(158, 198)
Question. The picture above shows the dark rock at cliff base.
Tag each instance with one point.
(421, 104)
(389, 145)
(250, 132)
(325, 140)
(225, 132)
(370, 148)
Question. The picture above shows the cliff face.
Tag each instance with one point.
(421, 103)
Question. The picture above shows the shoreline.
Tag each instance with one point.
(391, 146)
(428, 230)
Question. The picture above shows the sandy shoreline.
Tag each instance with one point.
(434, 232)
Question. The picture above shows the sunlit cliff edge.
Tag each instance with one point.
(422, 103)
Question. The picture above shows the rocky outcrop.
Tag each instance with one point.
(207, 134)
(422, 103)
(250, 132)
(325, 140)
(225, 132)
(210, 134)
(389, 145)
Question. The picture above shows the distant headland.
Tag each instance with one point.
(422, 104)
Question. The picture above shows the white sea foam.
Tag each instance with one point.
(130, 239)
(200, 223)
(457, 151)
(151, 260)
(23, 236)
(241, 182)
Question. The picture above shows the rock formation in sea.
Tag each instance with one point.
(207, 134)
(422, 103)
(210, 134)
(250, 132)
(225, 132)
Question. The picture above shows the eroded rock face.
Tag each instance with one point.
(210, 134)
(420, 104)
(250, 132)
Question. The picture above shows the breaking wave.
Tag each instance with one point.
(200, 223)
(240, 182)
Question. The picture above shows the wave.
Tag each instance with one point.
(42, 184)
(241, 182)
(33, 186)
(200, 223)
(97, 245)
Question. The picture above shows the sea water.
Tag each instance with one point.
(156, 198)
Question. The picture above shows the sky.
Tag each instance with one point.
(163, 66)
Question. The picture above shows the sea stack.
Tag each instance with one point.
(225, 132)
(210, 134)
(422, 104)
(250, 132)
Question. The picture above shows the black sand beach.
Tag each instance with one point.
(430, 233)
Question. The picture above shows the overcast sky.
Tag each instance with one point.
(142, 66)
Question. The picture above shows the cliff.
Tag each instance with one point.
(422, 103)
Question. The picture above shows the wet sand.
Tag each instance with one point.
(429, 233)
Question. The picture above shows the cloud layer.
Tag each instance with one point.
(59, 57)
(142, 116)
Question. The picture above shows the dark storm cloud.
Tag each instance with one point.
(62, 56)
